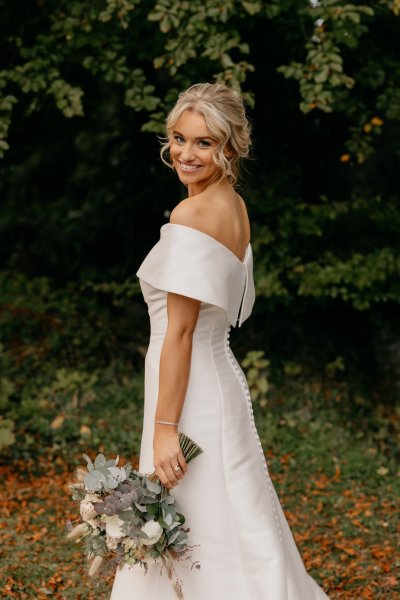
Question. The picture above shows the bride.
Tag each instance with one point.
(197, 281)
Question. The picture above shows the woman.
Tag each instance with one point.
(198, 283)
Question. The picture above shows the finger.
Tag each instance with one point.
(162, 476)
(178, 472)
(170, 473)
(182, 462)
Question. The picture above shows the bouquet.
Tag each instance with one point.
(129, 517)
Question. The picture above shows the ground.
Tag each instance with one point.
(345, 531)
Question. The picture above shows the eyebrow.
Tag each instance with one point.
(202, 137)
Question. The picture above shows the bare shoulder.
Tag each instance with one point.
(221, 216)
(187, 212)
(245, 216)
(242, 203)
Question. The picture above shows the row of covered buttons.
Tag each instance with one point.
(253, 424)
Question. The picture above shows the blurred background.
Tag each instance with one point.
(84, 91)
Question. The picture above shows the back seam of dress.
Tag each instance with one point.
(242, 379)
(222, 451)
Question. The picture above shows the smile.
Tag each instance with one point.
(188, 168)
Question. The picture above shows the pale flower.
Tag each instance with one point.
(87, 510)
(111, 542)
(88, 513)
(79, 531)
(94, 565)
(94, 523)
(129, 543)
(153, 530)
(113, 526)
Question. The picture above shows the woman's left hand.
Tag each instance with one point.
(168, 454)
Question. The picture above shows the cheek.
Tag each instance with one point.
(172, 149)
(209, 159)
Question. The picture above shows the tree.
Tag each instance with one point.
(86, 87)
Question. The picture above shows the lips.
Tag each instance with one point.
(186, 168)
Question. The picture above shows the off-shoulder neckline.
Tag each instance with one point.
(242, 262)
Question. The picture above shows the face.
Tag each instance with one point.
(191, 150)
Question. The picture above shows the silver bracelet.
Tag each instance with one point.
(165, 422)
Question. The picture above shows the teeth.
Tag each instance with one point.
(188, 167)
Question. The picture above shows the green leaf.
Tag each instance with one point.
(251, 7)
(153, 486)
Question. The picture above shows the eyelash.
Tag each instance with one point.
(178, 137)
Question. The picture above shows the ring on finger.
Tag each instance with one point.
(177, 468)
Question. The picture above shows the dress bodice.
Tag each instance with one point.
(190, 262)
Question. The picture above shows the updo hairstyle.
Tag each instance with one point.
(224, 112)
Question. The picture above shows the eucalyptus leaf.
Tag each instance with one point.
(95, 481)
(90, 466)
(173, 537)
(153, 486)
(100, 461)
(168, 519)
(169, 499)
(163, 524)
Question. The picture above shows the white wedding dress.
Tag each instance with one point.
(242, 540)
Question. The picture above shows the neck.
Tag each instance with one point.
(197, 188)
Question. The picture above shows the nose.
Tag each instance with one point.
(187, 154)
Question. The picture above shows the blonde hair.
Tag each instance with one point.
(224, 112)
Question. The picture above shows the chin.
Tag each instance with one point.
(189, 179)
(185, 180)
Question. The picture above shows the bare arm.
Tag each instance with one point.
(174, 373)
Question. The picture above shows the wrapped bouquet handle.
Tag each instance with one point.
(189, 450)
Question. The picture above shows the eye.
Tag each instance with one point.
(206, 144)
(178, 138)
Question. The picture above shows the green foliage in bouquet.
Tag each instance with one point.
(129, 517)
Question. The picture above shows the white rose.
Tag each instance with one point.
(113, 526)
(153, 530)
